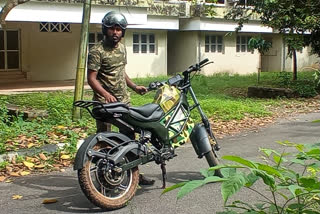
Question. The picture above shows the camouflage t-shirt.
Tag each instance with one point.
(110, 64)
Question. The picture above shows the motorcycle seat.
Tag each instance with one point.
(146, 113)
(105, 111)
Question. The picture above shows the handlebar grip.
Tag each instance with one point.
(203, 61)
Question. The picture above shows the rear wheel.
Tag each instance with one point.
(105, 187)
(213, 161)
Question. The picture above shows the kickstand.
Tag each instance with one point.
(164, 175)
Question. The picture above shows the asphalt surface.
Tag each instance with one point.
(64, 187)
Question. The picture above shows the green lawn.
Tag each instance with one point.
(222, 97)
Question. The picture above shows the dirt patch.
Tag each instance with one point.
(285, 109)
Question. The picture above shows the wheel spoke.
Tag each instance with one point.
(122, 187)
(93, 169)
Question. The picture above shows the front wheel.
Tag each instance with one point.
(213, 161)
(106, 188)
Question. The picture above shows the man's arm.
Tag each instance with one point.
(96, 86)
(140, 89)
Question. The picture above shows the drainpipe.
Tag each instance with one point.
(199, 46)
(283, 55)
(82, 58)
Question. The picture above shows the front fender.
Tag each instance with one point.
(82, 156)
(200, 140)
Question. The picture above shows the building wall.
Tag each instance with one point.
(47, 55)
(229, 60)
(147, 64)
(54, 55)
(272, 60)
(304, 59)
(182, 50)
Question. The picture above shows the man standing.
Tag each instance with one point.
(106, 69)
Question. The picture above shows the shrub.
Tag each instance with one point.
(300, 191)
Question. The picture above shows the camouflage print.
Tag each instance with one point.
(110, 64)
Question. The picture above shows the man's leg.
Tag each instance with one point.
(103, 126)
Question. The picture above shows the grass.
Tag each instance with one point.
(222, 97)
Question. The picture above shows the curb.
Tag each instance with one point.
(48, 148)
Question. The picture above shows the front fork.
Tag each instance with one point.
(205, 120)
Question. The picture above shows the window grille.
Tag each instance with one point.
(144, 43)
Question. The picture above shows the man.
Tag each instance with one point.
(106, 69)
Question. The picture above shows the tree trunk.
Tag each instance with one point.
(294, 70)
(82, 58)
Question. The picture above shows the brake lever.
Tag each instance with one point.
(206, 64)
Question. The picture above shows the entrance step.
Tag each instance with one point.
(14, 76)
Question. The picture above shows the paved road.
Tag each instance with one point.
(65, 188)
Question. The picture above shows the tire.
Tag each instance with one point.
(213, 161)
(94, 183)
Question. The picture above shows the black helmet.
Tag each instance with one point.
(113, 18)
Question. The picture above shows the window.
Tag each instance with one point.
(215, 2)
(54, 27)
(245, 2)
(9, 49)
(242, 44)
(144, 43)
(94, 38)
(213, 43)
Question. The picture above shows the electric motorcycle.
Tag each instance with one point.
(108, 162)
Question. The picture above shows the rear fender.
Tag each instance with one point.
(82, 154)
(200, 140)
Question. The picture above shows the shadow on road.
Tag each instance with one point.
(66, 189)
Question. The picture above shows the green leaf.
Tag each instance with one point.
(240, 160)
(251, 179)
(293, 189)
(224, 166)
(188, 187)
(283, 195)
(316, 121)
(298, 161)
(267, 179)
(309, 183)
(228, 172)
(277, 159)
(268, 152)
(270, 170)
(310, 212)
(296, 206)
(213, 179)
(232, 185)
(178, 185)
(205, 173)
(314, 153)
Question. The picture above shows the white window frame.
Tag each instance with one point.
(242, 44)
(6, 51)
(61, 27)
(212, 45)
(146, 44)
(98, 36)
(245, 3)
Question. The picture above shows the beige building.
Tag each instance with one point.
(39, 40)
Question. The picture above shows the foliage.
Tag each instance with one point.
(293, 19)
(260, 44)
(299, 190)
(304, 87)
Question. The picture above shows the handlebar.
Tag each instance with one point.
(177, 79)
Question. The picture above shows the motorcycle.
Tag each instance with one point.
(107, 162)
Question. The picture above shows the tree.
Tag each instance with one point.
(262, 46)
(294, 19)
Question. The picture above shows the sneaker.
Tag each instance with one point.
(145, 181)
